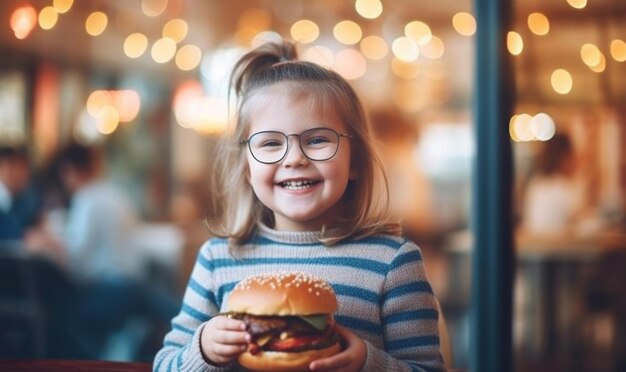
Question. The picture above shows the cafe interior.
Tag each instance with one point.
(146, 82)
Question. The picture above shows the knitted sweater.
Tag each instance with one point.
(383, 294)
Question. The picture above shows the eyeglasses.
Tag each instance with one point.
(317, 144)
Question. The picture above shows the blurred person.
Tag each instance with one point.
(19, 203)
(554, 199)
(100, 218)
(100, 257)
(23, 239)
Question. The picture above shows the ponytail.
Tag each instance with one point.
(259, 61)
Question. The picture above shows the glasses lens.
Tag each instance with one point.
(319, 143)
(268, 147)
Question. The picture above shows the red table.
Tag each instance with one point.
(58, 365)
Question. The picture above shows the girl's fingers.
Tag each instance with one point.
(335, 362)
(228, 351)
(232, 337)
(229, 324)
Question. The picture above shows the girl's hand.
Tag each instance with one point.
(352, 358)
(223, 339)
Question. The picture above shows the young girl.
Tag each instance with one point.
(300, 189)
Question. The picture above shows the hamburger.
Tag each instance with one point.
(289, 317)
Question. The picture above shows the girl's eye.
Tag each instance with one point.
(317, 140)
(271, 143)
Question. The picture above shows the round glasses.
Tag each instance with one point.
(317, 144)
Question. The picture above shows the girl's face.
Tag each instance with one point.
(302, 193)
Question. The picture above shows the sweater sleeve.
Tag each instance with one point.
(409, 318)
(181, 345)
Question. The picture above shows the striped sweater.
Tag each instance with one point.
(383, 294)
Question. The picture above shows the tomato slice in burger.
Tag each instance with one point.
(295, 342)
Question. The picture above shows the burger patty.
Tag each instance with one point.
(285, 333)
(261, 325)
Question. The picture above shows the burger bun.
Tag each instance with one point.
(283, 294)
(285, 361)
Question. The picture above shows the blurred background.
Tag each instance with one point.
(142, 84)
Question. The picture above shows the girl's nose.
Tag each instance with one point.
(294, 156)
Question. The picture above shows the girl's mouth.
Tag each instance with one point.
(298, 184)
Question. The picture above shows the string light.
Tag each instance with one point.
(23, 20)
(188, 57)
(374, 47)
(48, 18)
(405, 49)
(163, 50)
(577, 4)
(464, 23)
(96, 23)
(561, 81)
(514, 43)
(135, 45)
(305, 31)
(62, 6)
(418, 31)
(347, 32)
(175, 29)
(369, 9)
(618, 50)
(538, 23)
(434, 49)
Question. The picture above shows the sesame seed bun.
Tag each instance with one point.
(290, 295)
(283, 294)
(284, 361)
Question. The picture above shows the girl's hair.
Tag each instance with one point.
(364, 205)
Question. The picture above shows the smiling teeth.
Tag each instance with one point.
(297, 185)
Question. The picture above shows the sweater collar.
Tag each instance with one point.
(292, 237)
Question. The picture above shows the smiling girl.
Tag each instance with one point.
(300, 187)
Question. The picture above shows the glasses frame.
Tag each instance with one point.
(299, 135)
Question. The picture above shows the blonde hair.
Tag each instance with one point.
(365, 200)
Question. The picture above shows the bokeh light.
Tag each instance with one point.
(96, 23)
(434, 49)
(48, 18)
(369, 9)
(305, 31)
(577, 4)
(319, 54)
(135, 45)
(514, 43)
(561, 81)
(348, 32)
(464, 23)
(163, 50)
(62, 6)
(188, 57)
(153, 8)
(538, 23)
(350, 64)
(23, 20)
(374, 47)
(405, 49)
(176, 29)
(618, 50)
(418, 31)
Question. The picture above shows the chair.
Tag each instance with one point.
(22, 326)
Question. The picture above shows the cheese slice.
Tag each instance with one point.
(318, 322)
